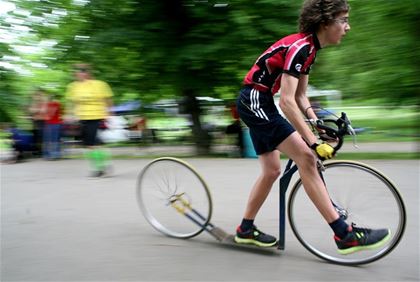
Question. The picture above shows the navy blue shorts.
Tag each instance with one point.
(266, 126)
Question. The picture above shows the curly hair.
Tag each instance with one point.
(315, 12)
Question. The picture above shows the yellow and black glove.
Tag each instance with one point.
(323, 150)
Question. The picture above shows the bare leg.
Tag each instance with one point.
(301, 154)
(270, 165)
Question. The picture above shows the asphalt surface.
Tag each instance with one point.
(58, 224)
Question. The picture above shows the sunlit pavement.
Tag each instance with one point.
(59, 224)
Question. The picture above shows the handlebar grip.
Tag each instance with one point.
(336, 133)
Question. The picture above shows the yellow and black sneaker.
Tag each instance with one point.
(362, 239)
(255, 237)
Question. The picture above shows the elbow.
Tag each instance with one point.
(285, 104)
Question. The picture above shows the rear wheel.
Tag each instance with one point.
(174, 198)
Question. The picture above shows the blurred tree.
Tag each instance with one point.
(8, 102)
(379, 57)
(7, 106)
(147, 47)
(185, 48)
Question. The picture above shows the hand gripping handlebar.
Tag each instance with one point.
(342, 127)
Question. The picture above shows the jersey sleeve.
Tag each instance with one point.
(295, 61)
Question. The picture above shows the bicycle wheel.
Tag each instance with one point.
(366, 197)
(174, 198)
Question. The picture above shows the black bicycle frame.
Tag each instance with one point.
(284, 182)
(342, 123)
(290, 169)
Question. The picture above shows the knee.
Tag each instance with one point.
(306, 160)
(272, 174)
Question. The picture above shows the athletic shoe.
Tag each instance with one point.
(255, 237)
(362, 239)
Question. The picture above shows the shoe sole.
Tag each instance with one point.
(254, 242)
(368, 247)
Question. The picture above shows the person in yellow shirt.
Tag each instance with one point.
(89, 100)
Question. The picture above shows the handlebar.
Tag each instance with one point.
(342, 127)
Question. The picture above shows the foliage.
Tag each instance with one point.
(378, 58)
(149, 50)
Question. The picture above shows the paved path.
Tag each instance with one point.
(59, 225)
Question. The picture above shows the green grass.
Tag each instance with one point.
(379, 156)
(385, 124)
(374, 156)
(380, 124)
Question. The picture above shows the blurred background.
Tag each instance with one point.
(175, 66)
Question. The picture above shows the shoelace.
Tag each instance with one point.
(255, 229)
(361, 233)
(359, 229)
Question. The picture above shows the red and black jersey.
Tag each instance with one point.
(293, 54)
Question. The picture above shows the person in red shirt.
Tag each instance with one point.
(284, 67)
(37, 113)
(52, 130)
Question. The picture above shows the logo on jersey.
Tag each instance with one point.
(298, 67)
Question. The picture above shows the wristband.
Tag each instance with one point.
(313, 146)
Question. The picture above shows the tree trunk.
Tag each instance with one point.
(201, 136)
